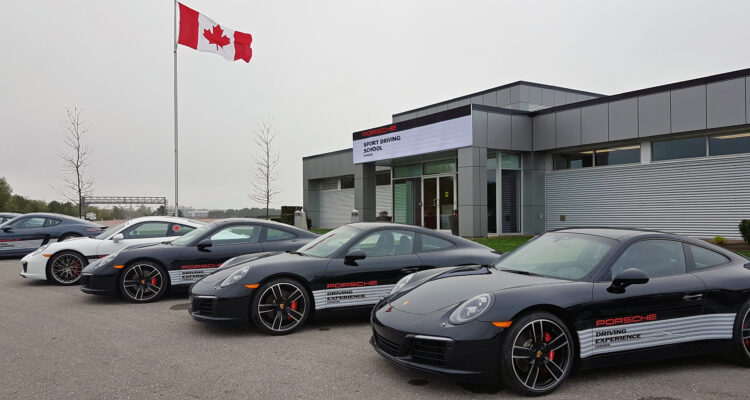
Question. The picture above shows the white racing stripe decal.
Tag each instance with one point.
(185, 276)
(350, 297)
(608, 339)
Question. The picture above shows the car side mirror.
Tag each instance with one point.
(204, 244)
(8, 229)
(118, 238)
(354, 255)
(631, 276)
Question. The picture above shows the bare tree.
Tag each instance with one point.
(266, 163)
(75, 183)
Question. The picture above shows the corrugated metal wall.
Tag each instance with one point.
(336, 207)
(698, 197)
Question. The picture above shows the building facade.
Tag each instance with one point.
(527, 157)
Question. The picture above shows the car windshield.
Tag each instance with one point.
(190, 236)
(560, 255)
(110, 231)
(329, 243)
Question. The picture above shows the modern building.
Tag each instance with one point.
(527, 157)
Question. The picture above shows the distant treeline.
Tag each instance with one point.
(244, 212)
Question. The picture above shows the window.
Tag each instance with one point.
(407, 171)
(705, 258)
(52, 222)
(581, 159)
(432, 243)
(656, 258)
(277, 234)
(29, 223)
(440, 167)
(729, 144)
(236, 234)
(329, 243)
(383, 179)
(679, 148)
(386, 243)
(347, 183)
(179, 230)
(510, 161)
(147, 230)
(618, 155)
(329, 184)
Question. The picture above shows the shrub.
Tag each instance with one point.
(745, 230)
(719, 240)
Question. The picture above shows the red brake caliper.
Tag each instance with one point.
(154, 281)
(547, 339)
(75, 269)
(294, 307)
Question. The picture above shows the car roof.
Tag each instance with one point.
(259, 221)
(428, 231)
(163, 218)
(618, 233)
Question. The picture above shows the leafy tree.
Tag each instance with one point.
(5, 193)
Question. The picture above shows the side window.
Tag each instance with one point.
(386, 243)
(147, 230)
(656, 258)
(705, 258)
(277, 234)
(179, 230)
(29, 223)
(51, 222)
(236, 234)
(432, 243)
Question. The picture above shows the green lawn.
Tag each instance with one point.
(503, 244)
(745, 253)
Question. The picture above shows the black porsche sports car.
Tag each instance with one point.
(574, 297)
(351, 267)
(142, 274)
(25, 233)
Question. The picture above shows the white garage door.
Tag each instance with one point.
(336, 207)
(697, 197)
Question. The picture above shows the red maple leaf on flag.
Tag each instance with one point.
(216, 37)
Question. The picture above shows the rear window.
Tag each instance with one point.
(432, 243)
(705, 258)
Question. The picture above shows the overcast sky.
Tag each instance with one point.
(320, 70)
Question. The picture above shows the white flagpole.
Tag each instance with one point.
(176, 191)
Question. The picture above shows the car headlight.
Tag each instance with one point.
(401, 283)
(236, 276)
(108, 259)
(39, 250)
(471, 309)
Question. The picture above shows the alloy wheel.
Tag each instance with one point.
(282, 307)
(66, 268)
(541, 355)
(142, 282)
(746, 332)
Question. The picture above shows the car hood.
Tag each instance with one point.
(460, 284)
(267, 263)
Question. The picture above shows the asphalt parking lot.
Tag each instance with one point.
(58, 343)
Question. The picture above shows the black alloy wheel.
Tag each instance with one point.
(742, 335)
(280, 306)
(64, 268)
(143, 282)
(537, 355)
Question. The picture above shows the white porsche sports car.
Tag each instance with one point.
(62, 262)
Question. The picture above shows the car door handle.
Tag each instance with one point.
(409, 270)
(692, 297)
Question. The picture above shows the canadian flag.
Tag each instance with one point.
(201, 33)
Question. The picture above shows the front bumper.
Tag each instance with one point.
(105, 285)
(466, 353)
(229, 305)
(34, 267)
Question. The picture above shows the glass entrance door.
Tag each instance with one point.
(438, 201)
(406, 195)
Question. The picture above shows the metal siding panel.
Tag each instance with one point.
(699, 197)
(571, 98)
(548, 97)
(503, 97)
(594, 124)
(515, 94)
(653, 114)
(747, 99)
(498, 131)
(479, 128)
(535, 95)
(623, 119)
(521, 135)
(524, 93)
(559, 98)
(689, 109)
(544, 132)
(490, 99)
(568, 128)
(726, 103)
(336, 207)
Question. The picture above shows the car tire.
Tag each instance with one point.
(67, 236)
(280, 306)
(64, 268)
(143, 282)
(536, 354)
(741, 337)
